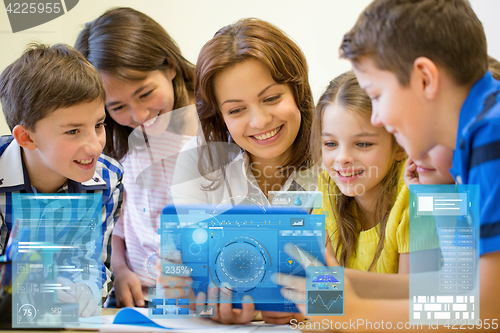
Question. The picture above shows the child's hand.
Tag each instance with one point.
(411, 175)
(81, 294)
(175, 286)
(330, 258)
(294, 287)
(127, 288)
(224, 312)
(281, 318)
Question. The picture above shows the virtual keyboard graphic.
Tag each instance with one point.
(444, 220)
(444, 307)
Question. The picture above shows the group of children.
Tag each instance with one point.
(257, 132)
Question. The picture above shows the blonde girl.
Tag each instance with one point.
(365, 199)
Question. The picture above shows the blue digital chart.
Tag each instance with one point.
(325, 291)
(325, 278)
(302, 199)
(163, 304)
(444, 254)
(55, 245)
(237, 251)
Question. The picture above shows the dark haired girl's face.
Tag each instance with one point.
(136, 103)
(260, 114)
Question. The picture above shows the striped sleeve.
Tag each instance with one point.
(112, 173)
(4, 230)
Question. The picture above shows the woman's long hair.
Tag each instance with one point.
(249, 39)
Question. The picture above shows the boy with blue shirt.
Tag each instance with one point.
(53, 101)
(424, 64)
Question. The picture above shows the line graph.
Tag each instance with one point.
(325, 302)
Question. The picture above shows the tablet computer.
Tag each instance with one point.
(239, 248)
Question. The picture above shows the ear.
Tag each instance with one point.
(23, 137)
(400, 154)
(426, 76)
(170, 71)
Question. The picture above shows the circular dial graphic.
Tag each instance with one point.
(242, 263)
(26, 312)
(151, 265)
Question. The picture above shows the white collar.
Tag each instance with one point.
(11, 166)
(94, 181)
(305, 178)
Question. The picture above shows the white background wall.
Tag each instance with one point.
(316, 25)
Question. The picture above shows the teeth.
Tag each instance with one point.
(85, 162)
(151, 121)
(269, 134)
(349, 174)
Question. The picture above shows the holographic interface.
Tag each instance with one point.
(325, 291)
(57, 260)
(238, 249)
(444, 254)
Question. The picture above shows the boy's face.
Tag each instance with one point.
(434, 167)
(68, 143)
(400, 109)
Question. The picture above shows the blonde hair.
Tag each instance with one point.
(346, 92)
(494, 67)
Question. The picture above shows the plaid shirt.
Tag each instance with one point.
(107, 180)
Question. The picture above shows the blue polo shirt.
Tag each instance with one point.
(476, 159)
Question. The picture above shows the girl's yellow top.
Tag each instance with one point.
(397, 235)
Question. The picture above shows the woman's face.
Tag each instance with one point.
(260, 114)
(136, 103)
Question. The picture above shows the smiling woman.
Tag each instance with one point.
(261, 115)
(255, 107)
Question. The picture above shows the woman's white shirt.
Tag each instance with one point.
(240, 185)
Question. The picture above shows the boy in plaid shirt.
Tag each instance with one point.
(53, 101)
